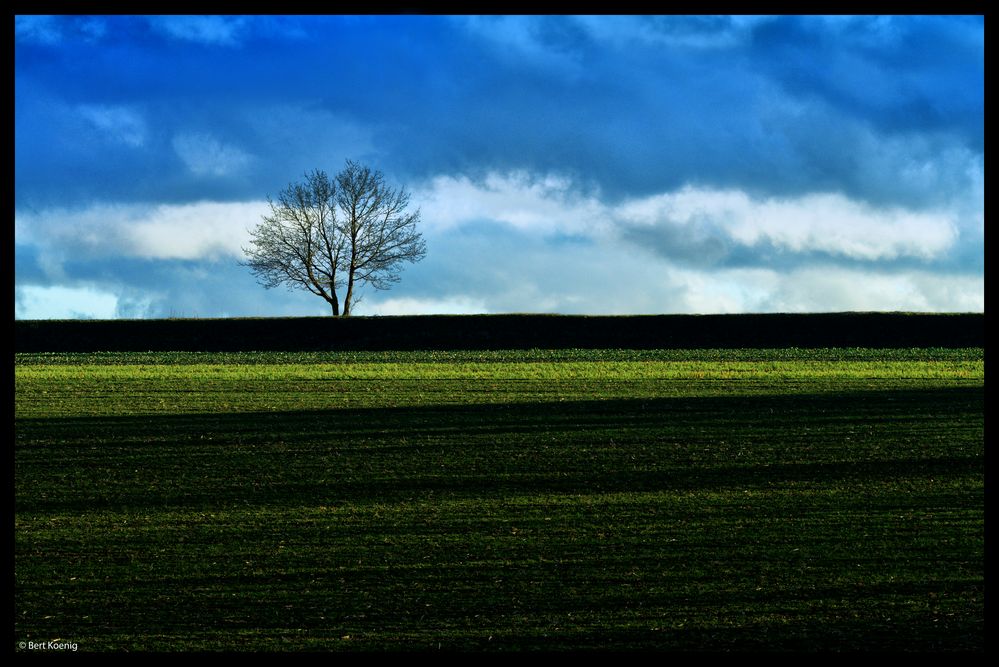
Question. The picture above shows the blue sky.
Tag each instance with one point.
(610, 164)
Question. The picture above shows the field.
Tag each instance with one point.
(786, 499)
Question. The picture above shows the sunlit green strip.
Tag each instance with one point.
(502, 356)
(616, 370)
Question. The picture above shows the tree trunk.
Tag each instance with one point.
(336, 306)
(350, 295)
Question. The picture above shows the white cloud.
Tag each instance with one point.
(606, 272)
(623, 283)
(213, 30)
(121, 124)
(823, 289)
(828, 223)
(544, 204)
(205, 155)
(611, 278)
(203, 230)
(418, 306)
(193, 231)
(831, 289)
(820, 222)
(722, 292)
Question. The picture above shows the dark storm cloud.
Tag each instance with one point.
(902, 74)
(786, 105)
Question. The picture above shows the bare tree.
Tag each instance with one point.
(325, 232)
(379, 233)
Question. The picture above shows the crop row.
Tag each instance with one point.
(501, 356)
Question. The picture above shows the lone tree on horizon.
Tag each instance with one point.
(324, 233)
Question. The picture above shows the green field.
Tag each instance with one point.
(653, 500)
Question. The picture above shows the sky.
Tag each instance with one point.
(560, 164)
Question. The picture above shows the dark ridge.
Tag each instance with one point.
(501, 332)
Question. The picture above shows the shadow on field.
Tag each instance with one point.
(603, 446)
(805, 637)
